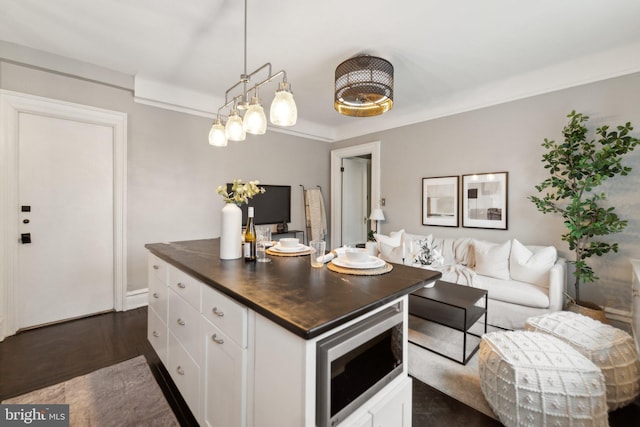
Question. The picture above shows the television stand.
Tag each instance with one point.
(289, 232)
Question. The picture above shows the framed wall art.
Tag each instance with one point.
(440, 201)
(484, 200)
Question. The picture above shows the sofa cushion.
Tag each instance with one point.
(390, 247)
(492, 259)
(531, 264)
(514, 292)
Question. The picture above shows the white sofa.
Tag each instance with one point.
(522, 281)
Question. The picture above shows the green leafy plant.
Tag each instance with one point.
(576, 167)
(371, 236)
(240, 193)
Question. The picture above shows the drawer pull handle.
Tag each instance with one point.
(180, 370)
(156, 267)
(181, 322)
(218, 312)
(156, 334)
(181, 285)
(217, 340)
(155, 295)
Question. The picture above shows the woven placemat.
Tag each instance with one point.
(276, 253)
(361, 271)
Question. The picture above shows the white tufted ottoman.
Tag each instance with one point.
(534, 379)
(612, 349)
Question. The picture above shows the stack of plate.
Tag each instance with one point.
(289, 250)
(369, 263)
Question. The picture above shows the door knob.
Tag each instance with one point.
(25, 238)
(25, 221)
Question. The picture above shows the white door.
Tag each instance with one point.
(66, 198)
(355, 190)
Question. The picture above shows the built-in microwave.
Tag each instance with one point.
(357, 362)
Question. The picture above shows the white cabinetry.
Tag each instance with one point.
(157, 323)
(201, 337)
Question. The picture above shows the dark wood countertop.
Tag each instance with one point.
(306, 301)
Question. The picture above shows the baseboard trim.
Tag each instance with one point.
(617, 315)
(136, 299)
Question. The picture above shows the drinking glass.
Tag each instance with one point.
(263, 241)
(317, 253)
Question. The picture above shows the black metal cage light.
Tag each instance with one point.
(364, 86)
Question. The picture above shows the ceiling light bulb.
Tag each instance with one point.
(283, 111)
(234, 130)
(255, 121)
(217, 136)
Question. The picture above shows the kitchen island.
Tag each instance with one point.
(254, 328)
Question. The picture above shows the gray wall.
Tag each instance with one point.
(507, 137)
(172, 170)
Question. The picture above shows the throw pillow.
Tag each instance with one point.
(390, 246)
(531, 266)
(492, 259)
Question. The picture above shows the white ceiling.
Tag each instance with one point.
(449, 55)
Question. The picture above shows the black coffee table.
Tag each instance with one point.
(453, 306)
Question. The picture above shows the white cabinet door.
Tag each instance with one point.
(225, 380)
(395, 411)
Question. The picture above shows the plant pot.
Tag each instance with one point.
(588, 309)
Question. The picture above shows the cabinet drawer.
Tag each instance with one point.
(185, 373)
(157, 335)
(184, 321)
(226, 314)
(157, 268)
(185, 286)
(158, 296)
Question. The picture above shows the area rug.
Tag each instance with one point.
(119, 395)
(461, 382)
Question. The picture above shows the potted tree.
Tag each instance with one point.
(576, 168)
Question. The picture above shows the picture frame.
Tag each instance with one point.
(440, 201)
(485, 200)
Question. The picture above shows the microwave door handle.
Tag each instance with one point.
(361, 337)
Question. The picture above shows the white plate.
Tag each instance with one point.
(373, 262)
(299, 248)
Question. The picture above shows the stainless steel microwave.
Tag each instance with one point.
(357, 362)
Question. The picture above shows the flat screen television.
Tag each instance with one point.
(271, 207)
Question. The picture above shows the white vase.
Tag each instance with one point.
(231, 232)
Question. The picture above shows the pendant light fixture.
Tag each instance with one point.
(283, 111)
(363, 86)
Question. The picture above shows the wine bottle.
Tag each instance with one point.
(250, 237)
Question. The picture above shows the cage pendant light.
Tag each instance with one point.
(363, 86)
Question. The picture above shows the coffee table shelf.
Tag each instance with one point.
(453, 306)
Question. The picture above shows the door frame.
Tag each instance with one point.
(12, 104)
(372, 148)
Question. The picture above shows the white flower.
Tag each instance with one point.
(240, 193)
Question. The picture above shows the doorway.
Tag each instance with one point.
(64, 177)
(341, 226)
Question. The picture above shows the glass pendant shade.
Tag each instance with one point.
(255, 121)
(217, 136)
(283, 111)
(234, 130)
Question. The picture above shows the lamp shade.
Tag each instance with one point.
(283, 111)
(255, 121)
(377, 215)
(234, 130)
(363, 86)
(217, 136)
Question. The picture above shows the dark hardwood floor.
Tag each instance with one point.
(41, 357)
